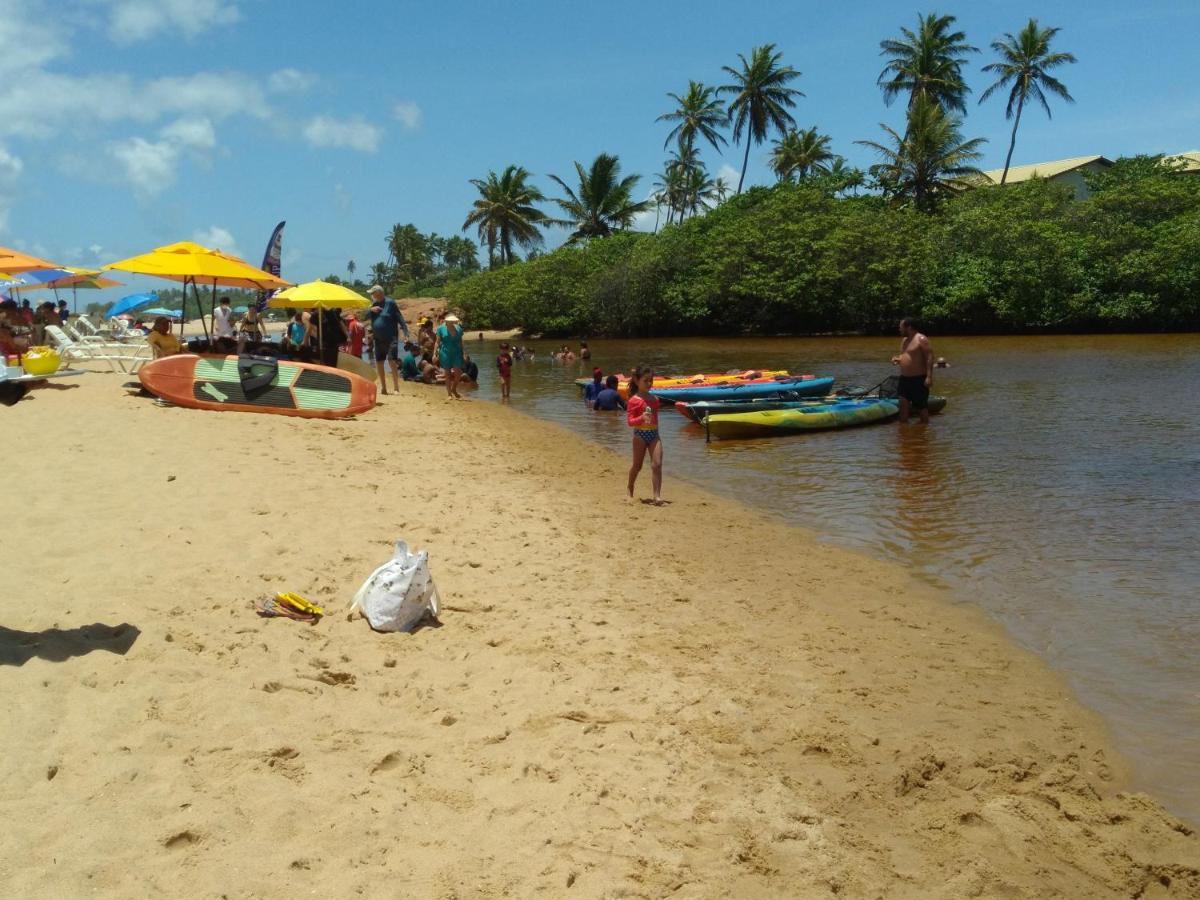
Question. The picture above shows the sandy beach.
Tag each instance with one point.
(619, 701)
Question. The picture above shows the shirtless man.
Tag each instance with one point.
(916, 371)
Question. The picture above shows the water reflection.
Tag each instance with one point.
(1058, 491)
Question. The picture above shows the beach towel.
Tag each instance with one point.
(400, 593)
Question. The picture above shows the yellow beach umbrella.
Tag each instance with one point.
(189, 262)
(319, 293)
(192, 264)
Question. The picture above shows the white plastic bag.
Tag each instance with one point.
(400, 593)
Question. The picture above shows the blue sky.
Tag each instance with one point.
(127, 124)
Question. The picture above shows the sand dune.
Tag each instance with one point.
(620, 701)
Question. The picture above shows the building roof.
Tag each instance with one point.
(1190, 161)
(1046, 169)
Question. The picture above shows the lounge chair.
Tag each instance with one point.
(125, 358)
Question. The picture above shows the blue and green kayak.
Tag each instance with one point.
(701, 408)
(812, 417)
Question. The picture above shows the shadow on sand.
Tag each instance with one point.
(56, 645)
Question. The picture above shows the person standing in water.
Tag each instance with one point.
(641, 413)
(449, 353)
(504, 364)
(916, 371)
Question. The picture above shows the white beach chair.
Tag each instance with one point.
(125, 358)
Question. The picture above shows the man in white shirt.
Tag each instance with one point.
(223, 321)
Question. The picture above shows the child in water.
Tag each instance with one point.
(642, 416)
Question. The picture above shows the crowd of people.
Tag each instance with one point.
(23, 326)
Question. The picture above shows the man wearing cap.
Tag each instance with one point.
(592, 391)
(386, 323)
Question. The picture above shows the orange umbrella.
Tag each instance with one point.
(192, 264)
(14, 261)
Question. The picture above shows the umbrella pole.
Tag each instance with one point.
(183, 309)
(212, 309)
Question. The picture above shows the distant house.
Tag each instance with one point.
(1062, 171)
(1189, 163)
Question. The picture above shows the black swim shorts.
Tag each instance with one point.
(912, 388)
(385, 349)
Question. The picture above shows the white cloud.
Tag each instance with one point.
(194, 134)
(408, 114)
(40, 103)
(149, 166)
(27, 42)
(353, 134)
(10, 173)
(152, 166)
(290, 81)
(730, 175)
(217, 238)
(138, 20)
(647, 219)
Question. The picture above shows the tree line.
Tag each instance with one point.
(801, 258)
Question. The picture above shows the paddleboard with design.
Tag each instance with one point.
(257, 384)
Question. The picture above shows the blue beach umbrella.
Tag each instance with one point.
(133, 301)
(158, 311)
(32, 279)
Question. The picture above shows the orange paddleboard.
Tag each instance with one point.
(257, 384)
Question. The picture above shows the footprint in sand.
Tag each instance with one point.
(181, 839)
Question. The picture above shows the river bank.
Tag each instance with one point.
(608, 704)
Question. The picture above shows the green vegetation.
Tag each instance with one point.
(796, 258)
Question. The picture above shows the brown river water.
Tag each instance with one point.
(1059, 491)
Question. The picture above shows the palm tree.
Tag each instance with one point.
(603, 202)
(699, 112)
(668, 191)
(381, 275)
(929, 160)
(410, 250)
(350, 267)
(699, 192)
(927, 64)
(721, 189)
(843, 175)
(762, 98)
(1025, 61)
(800, 154)
(504, 214)
(681, 168)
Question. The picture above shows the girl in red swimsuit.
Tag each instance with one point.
(642, 415)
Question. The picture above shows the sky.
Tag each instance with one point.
(129, 124)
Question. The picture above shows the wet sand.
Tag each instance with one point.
(620, 700)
